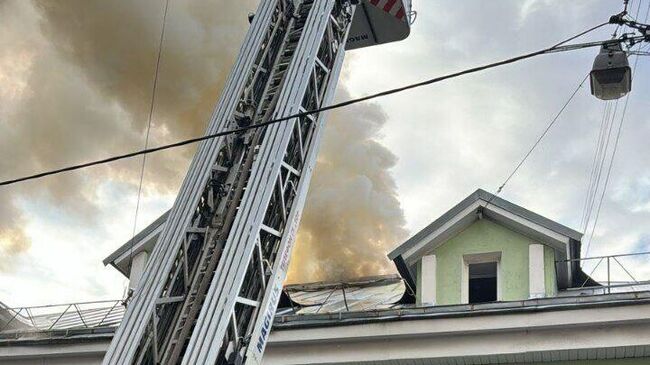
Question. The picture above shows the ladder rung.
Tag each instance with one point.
(309, 116)
(290, 168)
(262, 69)
(322, 65)
(248, 302)
(196, 230)
(219, 168)
(270, 230)
(168, 300)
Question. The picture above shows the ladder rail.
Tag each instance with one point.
(272, 296)
(230, 273)
(187, 326)
(121, 349)
(196, 292)
(213, 322)
(215, 275)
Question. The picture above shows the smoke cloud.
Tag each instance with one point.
(352, 216)
(75, 84)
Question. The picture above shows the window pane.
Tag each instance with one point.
(482, 282)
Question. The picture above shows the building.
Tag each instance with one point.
(489, 282)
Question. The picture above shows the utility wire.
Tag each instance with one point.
(539, 139)
(602, 152)
(555, 48)
(609, 171)
(618, 135)
(594, 164)
(502, 186)
(154, 88)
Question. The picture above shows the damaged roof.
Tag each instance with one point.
(370, 293)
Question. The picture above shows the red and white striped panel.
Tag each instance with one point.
(392, 7)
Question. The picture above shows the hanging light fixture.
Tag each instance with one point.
(611, 76)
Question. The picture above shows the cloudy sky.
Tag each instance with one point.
(75, 84)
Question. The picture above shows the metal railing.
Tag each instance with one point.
(614, 273)
(60, 317)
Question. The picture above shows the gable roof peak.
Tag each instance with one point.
(495, 208)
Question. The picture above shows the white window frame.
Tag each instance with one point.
(479, 258)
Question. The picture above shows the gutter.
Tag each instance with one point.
(59, 337)
(287, 322)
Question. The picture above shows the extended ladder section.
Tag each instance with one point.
(209, 292)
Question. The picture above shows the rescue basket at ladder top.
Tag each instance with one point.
(379, 21)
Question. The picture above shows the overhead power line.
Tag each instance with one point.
(616, 142)
(600, 157)
(544, 133)
(154, 89)
(555, 48)
(586, 209)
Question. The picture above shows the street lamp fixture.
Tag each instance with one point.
(611, 75)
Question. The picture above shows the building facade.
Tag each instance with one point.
(489, 282)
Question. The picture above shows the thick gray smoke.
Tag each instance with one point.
(352, 216)
(75, 84)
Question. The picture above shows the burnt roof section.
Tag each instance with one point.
(367, 293)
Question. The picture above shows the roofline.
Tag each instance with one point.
(367, 281)
(69, 336)
(481, 194)
(289, 322)
(321, 320)
(138, 237)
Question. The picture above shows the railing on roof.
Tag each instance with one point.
(614, 273)
(60, 317)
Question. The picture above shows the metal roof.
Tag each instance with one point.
(369, 293)
(91, 318)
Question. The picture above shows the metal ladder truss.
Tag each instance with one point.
(209, 292)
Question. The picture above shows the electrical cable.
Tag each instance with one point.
(154, 88)
(539, 139)
(594, 165)
(554, 48)
(609, 171)
(605, 117)
(626, 3)
(601, 156)
(618, 135)
(638, 10)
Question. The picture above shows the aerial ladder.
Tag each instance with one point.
(210, 289)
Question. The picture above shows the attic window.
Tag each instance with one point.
(482, 284)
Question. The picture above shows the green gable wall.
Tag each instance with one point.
(481, 237)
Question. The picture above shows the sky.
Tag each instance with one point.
(75, 84)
